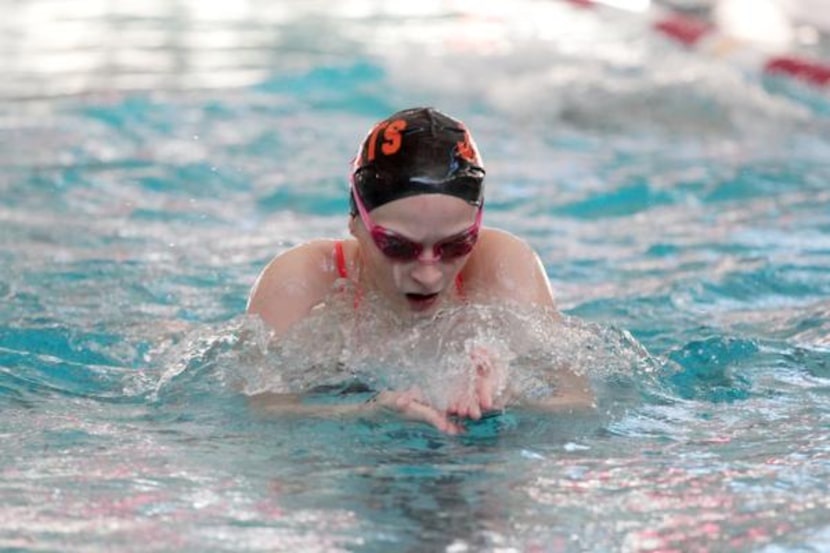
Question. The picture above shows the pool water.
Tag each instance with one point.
(154, 159)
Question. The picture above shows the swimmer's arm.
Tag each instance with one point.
(292, 404)
(408, 404)
(292, 284)
(573, 393)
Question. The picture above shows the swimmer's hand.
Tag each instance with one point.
(487, 392)
(411, 405)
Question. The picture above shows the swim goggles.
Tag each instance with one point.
(396, 247)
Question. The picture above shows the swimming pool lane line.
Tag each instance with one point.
(698, 33)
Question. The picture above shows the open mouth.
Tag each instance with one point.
(419, 302)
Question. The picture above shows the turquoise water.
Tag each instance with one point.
(154, 160)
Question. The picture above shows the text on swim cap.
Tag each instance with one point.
(466, 149)
(391, 138)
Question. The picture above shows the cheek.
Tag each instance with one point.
(385, 274)
(399, 274)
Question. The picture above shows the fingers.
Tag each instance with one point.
(482, 391)
(490, 382)
(472, 403)
(474, 411)
(485, 387)
(410, 403)
(465, 406)
(425, 413)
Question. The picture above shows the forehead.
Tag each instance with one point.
(426, 215)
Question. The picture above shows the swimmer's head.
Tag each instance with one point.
(417, 151)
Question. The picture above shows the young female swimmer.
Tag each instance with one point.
(417, 200)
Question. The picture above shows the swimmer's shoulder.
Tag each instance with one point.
(497, 247)
(492, 237)
(505, 267)
(295, 281)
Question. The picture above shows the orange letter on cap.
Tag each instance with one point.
(392, 137)
(370, 155)
(466, 149)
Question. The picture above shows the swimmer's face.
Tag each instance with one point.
(422, 284)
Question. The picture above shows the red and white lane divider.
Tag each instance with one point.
(694, 32)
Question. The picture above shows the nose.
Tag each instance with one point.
(427, 271)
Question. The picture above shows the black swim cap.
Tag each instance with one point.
(417, 151)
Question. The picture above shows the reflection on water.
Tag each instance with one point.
(55, 48)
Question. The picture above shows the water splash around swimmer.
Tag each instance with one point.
(338, 348)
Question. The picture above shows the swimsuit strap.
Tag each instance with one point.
(342, 271)
(340, 258)
(459, 285)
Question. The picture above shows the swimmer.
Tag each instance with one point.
(416, 209)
